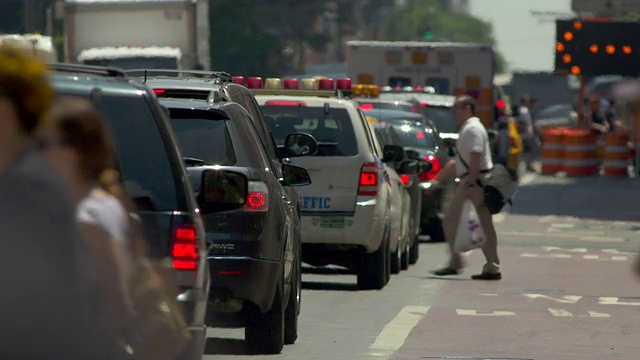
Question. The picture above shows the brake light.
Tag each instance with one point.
(369, 180)
(500, 105)
(185, 248)
(419, 135)
(257, 198)
(285, 103)
(424, 104)
(405, 179)
(436, 166)
(159, 92)
(365, 107)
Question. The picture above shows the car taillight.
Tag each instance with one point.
(257, 197)
(501, 106)
(185, 248)
(369, 180)
(285, 103)
(405, 179)
(366, 107)
(436, 166)
(159, 92)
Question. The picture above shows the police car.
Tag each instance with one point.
(346, 210)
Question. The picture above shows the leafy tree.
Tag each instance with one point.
(421, 20)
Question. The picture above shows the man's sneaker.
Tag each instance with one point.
(445, 272)
(487, 276)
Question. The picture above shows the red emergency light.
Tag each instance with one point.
(254, 83)
(238, 80)
(343, 84)
(326, 84)
(291, 84)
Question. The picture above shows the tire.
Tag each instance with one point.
(395, 261)
(292, 311)
(414, 254)
(404, 257)
(264, 333)
(373, 273)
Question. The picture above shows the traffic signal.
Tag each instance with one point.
(597, 47)
(428, 35)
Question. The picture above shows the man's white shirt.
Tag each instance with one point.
(473, 137)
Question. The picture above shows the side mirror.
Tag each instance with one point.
(392, 153)
(409, 167)
(222, 190)
(424, 166)
(300, 144)
(295, 176)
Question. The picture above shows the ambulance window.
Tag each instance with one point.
(399, 81)
(441, 85)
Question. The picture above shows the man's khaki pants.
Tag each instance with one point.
(453, 214)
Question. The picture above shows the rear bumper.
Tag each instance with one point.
(364, 228)
(245, 279)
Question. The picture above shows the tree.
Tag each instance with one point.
(421, 20)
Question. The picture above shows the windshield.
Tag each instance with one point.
(205, 139)
(443, 118)
(156, 62)
(333, 131)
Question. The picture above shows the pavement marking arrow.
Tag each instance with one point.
(560, 312)
(393, 335)
(565, 299)
(484, 312)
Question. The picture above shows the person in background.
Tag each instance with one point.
(599, 121)
(471, 166)
(42, 307)
(525, 127)
(76, 141)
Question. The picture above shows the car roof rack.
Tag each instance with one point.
(220, 75)
(88, 69)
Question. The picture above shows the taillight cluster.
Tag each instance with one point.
(369, 179)
(257, 198)
(436, 166)
(185, 248)
(406, 179)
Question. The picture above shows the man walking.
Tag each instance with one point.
(471, 166)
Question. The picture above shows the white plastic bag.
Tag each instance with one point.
(470, 234)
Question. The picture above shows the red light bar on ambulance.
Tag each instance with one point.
(326, 84)
(254, 83)
(291, 84)
(238, 80)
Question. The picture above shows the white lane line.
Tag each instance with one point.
(393, 335)
(560, 312)
(498, 218)
(547, 219)
(527, 179)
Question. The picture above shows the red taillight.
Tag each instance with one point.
(254, 83)
(257, 198)
(436, 166)
(285, 103)
(501, 106)
(419, 135)
(343, 84)
(369, 180)
(185, 248)
(325, 84)
(405, 179)
(291, 83)
(424, 104)
(418, 88)
(159, 92)
(365, 107)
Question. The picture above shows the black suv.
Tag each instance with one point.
(249, 219)
(154, 177)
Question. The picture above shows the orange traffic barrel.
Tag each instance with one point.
(552, 151)
(616, 155)
(580, 153)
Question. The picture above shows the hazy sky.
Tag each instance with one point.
(526, 43)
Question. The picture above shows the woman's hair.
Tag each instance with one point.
(24, 81)
(81, 126)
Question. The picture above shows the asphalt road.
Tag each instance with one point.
(567, 292)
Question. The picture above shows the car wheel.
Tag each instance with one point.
(404, 258)
(264, 333)
(414, 254)
(395, 261)
(374, 267)
(293, 307)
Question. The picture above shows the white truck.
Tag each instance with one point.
(450, 68)
(138, 34)
(39, 45)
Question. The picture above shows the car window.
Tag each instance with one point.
(442, 117)
(414, 136)
(204, 139)
(140, 150)
(333, 131)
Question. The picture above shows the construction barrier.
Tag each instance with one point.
(616, 155)
(552, 151)
(601, 143)
(580, 153)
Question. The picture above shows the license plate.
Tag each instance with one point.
(332, 222)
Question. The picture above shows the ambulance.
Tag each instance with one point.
(449, 68)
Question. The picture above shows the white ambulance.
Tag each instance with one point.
(40, 45)
(450, 68)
